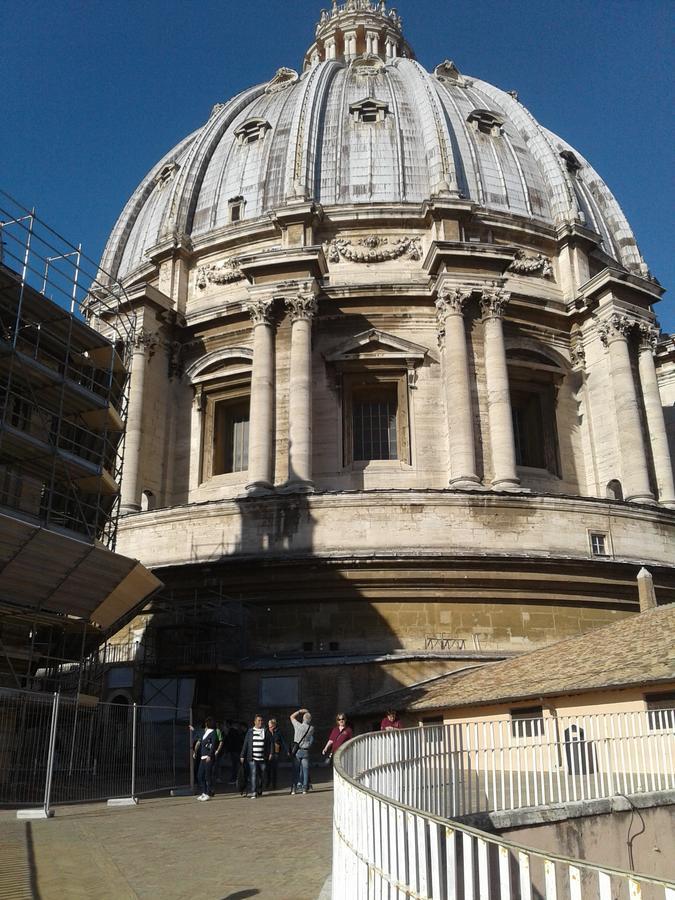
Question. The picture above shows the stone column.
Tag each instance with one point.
(450, 306)
(504, 474)
(633, 458)
(130, 501)
(302, 310)
(261, 417)
(663, 468)
(330, 48)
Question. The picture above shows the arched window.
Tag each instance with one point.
(147, 501)
(614, 491)
(222, 382)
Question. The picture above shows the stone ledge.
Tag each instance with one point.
(498, 822)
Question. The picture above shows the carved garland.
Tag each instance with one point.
(374, 249)
(221, 273)
(531, 265)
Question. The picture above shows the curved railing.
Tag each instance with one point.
(400, 798)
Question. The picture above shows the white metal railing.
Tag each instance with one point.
(397, 794)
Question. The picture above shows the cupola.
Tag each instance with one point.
(355, 28)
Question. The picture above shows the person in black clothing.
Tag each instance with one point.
(235, 740)
(279, 748)
(207, 749)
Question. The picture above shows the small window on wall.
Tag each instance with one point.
(599, 543)
(375, 418)
(527, 721)
(661, 711)
(230, 436)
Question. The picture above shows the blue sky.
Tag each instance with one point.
(94, 93)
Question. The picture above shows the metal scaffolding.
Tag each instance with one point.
(65, 342)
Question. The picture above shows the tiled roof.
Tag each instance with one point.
(639, 650)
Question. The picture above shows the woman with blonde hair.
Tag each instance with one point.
(340, 734)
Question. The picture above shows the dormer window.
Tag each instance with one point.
(252, 130)
(486, 121)
(369, 111)
(165, 175)
(236, 207)
(571, 161)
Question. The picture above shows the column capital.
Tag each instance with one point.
(577, 354)
(615, 327)
(451, 302)
(493, 302)
(301, 307)
(649, 336)
(145, 340)
(261, 311)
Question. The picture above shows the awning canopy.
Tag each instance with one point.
(54, 575)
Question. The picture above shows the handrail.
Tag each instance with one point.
(383, 841)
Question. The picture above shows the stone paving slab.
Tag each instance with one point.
(277, 847)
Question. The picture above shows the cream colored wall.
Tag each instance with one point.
(440, 523)
(587, 427)
(613, 721)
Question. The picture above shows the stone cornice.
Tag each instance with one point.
(493, 258)
(300, 262)
(610, 279)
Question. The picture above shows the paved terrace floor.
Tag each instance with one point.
(275, 848)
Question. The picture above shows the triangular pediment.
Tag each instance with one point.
(375, 344)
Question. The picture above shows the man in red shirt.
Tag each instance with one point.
(390, 721)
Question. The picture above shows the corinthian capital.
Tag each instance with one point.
(302, 306)
(261, 311)
(451, 302)
(493, 301)
(616, 327)
(649, 336)
(145, 340)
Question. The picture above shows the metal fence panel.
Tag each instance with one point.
(60, 750)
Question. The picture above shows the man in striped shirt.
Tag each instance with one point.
(257, 752)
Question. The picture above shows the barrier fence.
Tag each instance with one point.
(400, 797)
(56, 749)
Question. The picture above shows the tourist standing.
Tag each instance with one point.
(278, 747)
(391, 721)
(303, 738)
(256, 751)
(340, 734)
(207, 749)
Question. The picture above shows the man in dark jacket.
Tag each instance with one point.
(257, 752)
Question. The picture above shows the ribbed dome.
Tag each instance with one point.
(372, 128)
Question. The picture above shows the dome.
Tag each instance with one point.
(365, 123)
